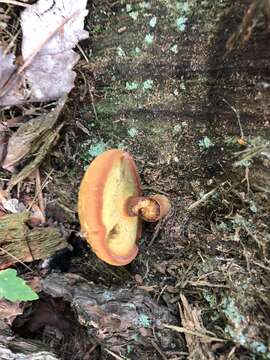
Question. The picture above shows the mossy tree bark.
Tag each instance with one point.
(164, 81)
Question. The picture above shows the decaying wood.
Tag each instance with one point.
(19, 242)
(191, 319)
(117, 318)
(16, 348)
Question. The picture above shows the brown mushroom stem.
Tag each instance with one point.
(149, 208)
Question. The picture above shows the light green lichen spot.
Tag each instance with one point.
(97, 149)
(182, 86)
(134, 15)
(177, 128)
(181, 23)
(149, 39)
(145, 5)
(153, 21)
(174, 49)
(132, 85)
(132, 132)
(128, 7)
(148, 84)
(183, 7)
(143, 320)
(120, 52)
(205, 143)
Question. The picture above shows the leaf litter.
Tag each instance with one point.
(29, 136)
(43, 72)
(50, 30)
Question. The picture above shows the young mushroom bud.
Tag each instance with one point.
(111, 207)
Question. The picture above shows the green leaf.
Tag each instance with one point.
(14, 288)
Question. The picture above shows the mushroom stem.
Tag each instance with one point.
(149, 208)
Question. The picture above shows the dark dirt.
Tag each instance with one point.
(171, 95)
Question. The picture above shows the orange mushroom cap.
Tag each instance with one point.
(110, 179)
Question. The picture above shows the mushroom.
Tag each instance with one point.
(111, 207)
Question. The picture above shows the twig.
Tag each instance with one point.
(207, 284)
(155, 235)
(83, 53)
(42, 187)
(260, 265)
(117, 357)
(93, 103)
(237, 116)
(14, 2)
(202, 199)
(191, 332)
(40, 196)
(15, 258)
(12, 42)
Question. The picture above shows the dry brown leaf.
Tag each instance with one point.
(29, 134)
(9, 310)
(51, 29)
(7, 67)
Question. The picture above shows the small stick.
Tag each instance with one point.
(237, 116)
(14, 2)
(42, 187)
(40, 196)
(202, 199)
(117, 357)
(155, 235)
(15, 258)
(194, 333)
(93, 103)
(83, 53)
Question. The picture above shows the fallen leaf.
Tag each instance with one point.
(29, 136)
(13, 206)
(51, 29)
(7, 68)
(9, 310)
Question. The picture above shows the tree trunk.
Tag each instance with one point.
(164, 80)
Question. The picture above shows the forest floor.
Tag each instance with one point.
(213, 248)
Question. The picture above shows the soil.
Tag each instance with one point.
(156, 80)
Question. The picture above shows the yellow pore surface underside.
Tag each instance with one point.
(121, 229)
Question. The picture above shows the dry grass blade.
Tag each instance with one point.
(197, 337)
